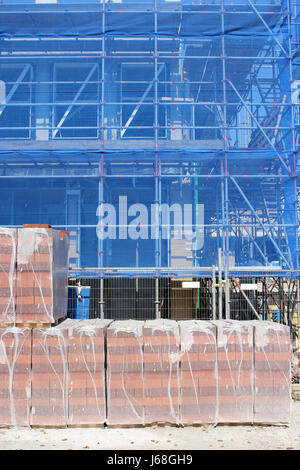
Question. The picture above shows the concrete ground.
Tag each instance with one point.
(221, 437)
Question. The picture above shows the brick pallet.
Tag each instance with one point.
(272, 373)
(161, 371)
(50, 376)
(42, 264)
(235, 371)
(125, 386)
(198, 378)
(86, 371)
(15, 376)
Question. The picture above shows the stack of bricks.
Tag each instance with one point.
(125, 399)
(42, 263)
(8, 243)
(15, 376)
(161, 371)
(235, 371)
(198, 377)
(50, 376)
(272, 356)
(86, 371)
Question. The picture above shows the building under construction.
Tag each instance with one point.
(164, 136)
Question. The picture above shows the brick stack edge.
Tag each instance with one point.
(187, 372)
(272, 373)
(8, 244)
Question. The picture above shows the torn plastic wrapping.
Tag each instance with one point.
(15, 376)
(161, 371)
(125, 397)
(198, 372)
(272, 356)
(235, 371)
(86, 371)
(42, 263)
(8, 243)
(50, 376)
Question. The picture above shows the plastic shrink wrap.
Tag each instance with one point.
(161, 371)
(42, 275)
(125, 373)
(15, 376)
(235, 371)
(158, 371)
(8, 251)
(272, 357)
(50, 376)
(198, 372)
(86, 371)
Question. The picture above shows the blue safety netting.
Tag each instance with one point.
(186, 110)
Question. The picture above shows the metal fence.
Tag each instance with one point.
(141, 295)
(141, 298)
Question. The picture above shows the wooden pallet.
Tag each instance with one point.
(86, 425)
(48, 426)
(32, 324)
(195, 425)
(37, 226)
(124, 426)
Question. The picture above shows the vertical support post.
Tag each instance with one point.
(213, 292)
(298, 313)
(100, 201)
(100, 240)
(227, 297)
(294, 137)
(102, 136)
(226, 254)
(220, 289)
(157, 167)
(101, 182)
(157, 311)
(157, 205)
(157, 173)
(102, 297)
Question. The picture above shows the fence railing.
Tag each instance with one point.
(148, 293)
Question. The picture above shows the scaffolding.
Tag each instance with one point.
(180, 117)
